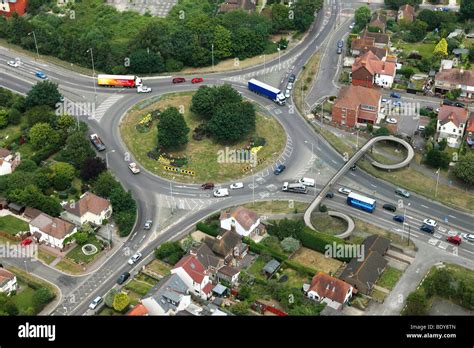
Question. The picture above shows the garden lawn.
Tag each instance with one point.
(78, 256)
(389, 278)
(256, 268)
(139, 287)
(202, 155)
(316, 261)
(24, 297)
(12, 225)
(425, 49)
(328, 224)
(159, 267)
(276, 207)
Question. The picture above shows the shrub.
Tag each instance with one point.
(41, 298)
(207, 229)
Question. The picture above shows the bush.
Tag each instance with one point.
(121, 302)
(41, 298)
(170, 252)
(207, 229)
(323, 208)
(319, 241)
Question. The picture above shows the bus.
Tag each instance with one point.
(295, 187)
(361, 202)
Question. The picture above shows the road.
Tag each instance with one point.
(157, 197)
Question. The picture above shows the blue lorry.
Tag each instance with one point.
(271, 92)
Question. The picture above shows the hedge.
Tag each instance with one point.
(303, 270)
(258, 248)
(207, 229)
(319, 241)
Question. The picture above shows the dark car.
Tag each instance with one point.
(340, 43)
(399, 218)
(123, 278)
(207, 186)
(292, 78)
(279, 169)
(395, 95)
(389, 207)
(179, 80)
(339, 50)
(354, 167)
(459, 105)
(427, 228)
(448, 102)
(430, 108)
(329, 195)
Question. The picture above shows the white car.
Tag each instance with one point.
(344, 191)
(385, 100)
(134, 168)
(14, 63)
(237, 185)
(143, 89)
(148, 224)
(96, 302)
(289, 86)
(134, 258)
(352, 26)
(437, 110)
(287, 93)
(469, 237)
(430, 222)
(221, 192)
(391, 120)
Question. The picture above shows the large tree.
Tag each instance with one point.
(77, 149)
(105, 184)
(467, 9)
(43, 93)
(172, 129)
(39, 114)
(232, 122)
(92, 167)
(464, 169)
(42, 136)
(362, 16)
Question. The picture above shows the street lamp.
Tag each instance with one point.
(36, 43)
(106, 158)
(279, 54)
(404, 221)
(437, 181)
(212, 53)
(26, 266)
(93, 72)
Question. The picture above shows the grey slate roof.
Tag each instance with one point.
(271, 266)
(168, 292)
(376, 243)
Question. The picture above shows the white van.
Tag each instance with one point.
(306, 181)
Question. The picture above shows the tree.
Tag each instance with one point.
(441, 48)
(170, 252)
(66, 123)
(27, 165)
(286, 228)
(172, 129)
(143, 61)
(121, 200)
(81, 238)
(382, 131)
(362, 16)
(464, 168)
(92, 167)
(7, 306)
(109, 298)
(395, 4)
(43, 93)
(204, 102)
(454, 94)
(64, 169)
(417, 304)
(437, 159)
(77, 149)
(240, 309)
(467, 9)
(14, 116)
(39, 114)
(43, 136)
(290, 244)
(41, 298)
(222, 42)
(417, 31)
(121, 302)
(281, 17)
(3, 118)
(232, 122)
(105, 184)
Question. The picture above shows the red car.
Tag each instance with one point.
(454, 239)
(26, 242)
(179, 80)
(197, 80)
(207, 186)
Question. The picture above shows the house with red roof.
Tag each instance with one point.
(369, 70)
(8, 282)
(51, 230)
(9, 7)
(244, 221)
(332, 291)
(450, 79)
(406, 13)
(452, 122)
(194, 275)
(356, 104)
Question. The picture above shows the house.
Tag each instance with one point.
(8, 161)
(470, 131)
(381, 53)
(406, 13)
(449, 79)
(8, 7)
(369, 70)
(452, 122)
(376, 243)
(270, 268)
(51, 230)
(228, 274)
(31, 213)
(356, 104)
(378, 20)
(357, 45)
(167, 297)
(90, 208)
(138, 310)
(454, 34)
(446, 64)
(380, 39)
(244, 221)
(8, 282)
(194, 275)
(207, 258)
(229, 246)
(231, 5)
(330, 290)
(363, 274)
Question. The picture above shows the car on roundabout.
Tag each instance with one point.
(237, 185)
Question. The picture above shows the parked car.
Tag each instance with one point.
(390, 207)
(148, 224)
(385, 100)
(237, 185)
(427, 228)
(287, 93)
(344, 191)
(197, 80)
(207, 186)
(179, 80)
(352, 26)
(95, 302)
(292, 78)
(454, 239)
(421, 128)
(41, 75)
(459, 105)
(430, 108)
(402, 192)
(397, 104)
(339, 50)
(289, 86)
(123, 278)
(469, 237)
(330, 195)
(340, 43)
(279, 169)
(134, 258)
(448, 102)
(391, 120)
(395, 95)
(399, 218)
(26, 241)
(430, 222)
(134, 168)
(223, 192)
